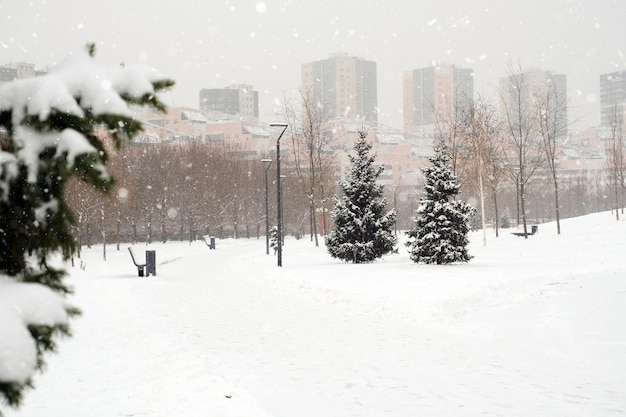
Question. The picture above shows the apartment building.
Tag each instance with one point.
(17, 71)
(346, 86)
(431, 94)
(240, 100)
(612, 97)
(182, 124)
(535, 85)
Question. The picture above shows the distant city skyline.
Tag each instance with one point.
(264, 43)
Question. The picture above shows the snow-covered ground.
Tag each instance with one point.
(532, 327)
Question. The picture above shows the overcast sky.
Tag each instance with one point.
(211, 44)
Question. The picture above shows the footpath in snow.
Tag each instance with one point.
(528, 327)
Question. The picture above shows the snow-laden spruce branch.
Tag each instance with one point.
(53, 127)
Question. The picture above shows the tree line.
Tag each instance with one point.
(183, 191)
(191, 189)
(519, 146)
(506, 160)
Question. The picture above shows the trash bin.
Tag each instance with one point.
(150, 262)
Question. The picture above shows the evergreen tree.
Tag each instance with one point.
(274, 238)
(439, 235)
(505, 223)
(363, 230)
(49, 132)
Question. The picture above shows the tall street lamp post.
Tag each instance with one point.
(268, 163)
(279, 196)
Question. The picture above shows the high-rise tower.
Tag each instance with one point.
(345, 86)
(612, 97)
(431, 94)
(535, 85)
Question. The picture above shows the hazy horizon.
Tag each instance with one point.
(264, 43)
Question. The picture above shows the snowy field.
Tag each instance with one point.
(532, 327)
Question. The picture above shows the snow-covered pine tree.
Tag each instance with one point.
(439, 235)
(274, 238)
(48, 127)
(363, 229)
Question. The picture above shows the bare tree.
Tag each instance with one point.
(495, 168)
(449, 126)
(83, 199)
(524, 153)
(551, 109)
(117, 199)
(313, 157)
(615, 157)
(326, 161)
(481, 147)
(310, 129)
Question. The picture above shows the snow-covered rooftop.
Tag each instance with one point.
(256, 131)
(194, 116)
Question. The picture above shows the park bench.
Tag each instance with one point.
(140, 267)
(533, 229)
(210, 243)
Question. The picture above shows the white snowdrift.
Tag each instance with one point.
(528, 327)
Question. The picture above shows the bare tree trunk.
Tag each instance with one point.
(482, 206)
(149, 227)
(616, 200)
(190, 228)
(118, 230)
(133, 231)
(314, 222)
(556, 204)
(104, 232)
(522, 188)
(495, 209)
(311, 218)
